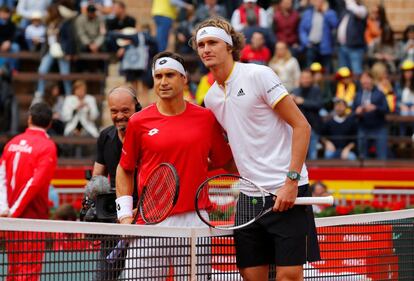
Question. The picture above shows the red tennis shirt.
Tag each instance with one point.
(187, 141)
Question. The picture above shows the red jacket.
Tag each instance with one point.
(249, 55)
(286, 27)
(26, 169)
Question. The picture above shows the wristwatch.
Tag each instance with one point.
(295, 176)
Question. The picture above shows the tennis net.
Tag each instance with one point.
(359, 247)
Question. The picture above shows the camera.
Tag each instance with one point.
(98, 204)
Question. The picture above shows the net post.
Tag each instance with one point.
(193, 270)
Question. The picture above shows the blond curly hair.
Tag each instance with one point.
(237, 37)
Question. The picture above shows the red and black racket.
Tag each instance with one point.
(159, 194)
(158, 197)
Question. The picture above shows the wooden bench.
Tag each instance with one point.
(36, 56)
(34, 76)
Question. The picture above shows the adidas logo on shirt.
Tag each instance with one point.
(241, 93)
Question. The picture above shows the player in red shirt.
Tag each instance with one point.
(26, 169)
(174, 131)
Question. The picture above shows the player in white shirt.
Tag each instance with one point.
(269, 138)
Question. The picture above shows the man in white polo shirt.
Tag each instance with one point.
(269, 138)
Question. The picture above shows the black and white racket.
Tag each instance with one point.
(157, 199)
(223, 202)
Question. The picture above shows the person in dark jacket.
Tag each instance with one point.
(339, 133)
(351, 39)
(370, 106)
(7, 34)
(308, 98)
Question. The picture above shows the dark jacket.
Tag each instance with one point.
(374, 119)
(311, 106)
(355, 30)
(7, 31)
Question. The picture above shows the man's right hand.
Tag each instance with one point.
(126, 220)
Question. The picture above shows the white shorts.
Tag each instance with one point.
(156, 258)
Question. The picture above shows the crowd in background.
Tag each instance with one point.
(338, 58)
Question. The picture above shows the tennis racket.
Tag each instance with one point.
(222, 202)
(158, 197)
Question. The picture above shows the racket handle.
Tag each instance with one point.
(113, 255)
(324, 200)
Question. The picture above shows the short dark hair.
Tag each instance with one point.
(5, 9)
(41, 114)
(120, 4)
(166, 54)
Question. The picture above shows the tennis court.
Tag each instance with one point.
(361, 247)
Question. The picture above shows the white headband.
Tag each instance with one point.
(212, 31)
(167, 62)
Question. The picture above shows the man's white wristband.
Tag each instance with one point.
(124, 206)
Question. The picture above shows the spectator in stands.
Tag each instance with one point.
(286, 66)
(346, 87)
(252, 27)
(104, 7)
(323, 84)
(270, 12)
(407, 46)
(35, 33)
(65, 212)
(139, 47)
(7, 34)
(239, 17)
(183, 33)
(120, 21)
(90, 30)
(339, 133)
(370, 107)
(210, 8)
(256, 51)
(11, 4)
(316, 29)
(309, 100)
(383, 82)
(27, 166)
(122, 103)
(55, 100)
(9, 109)
(406, 88)
(376, 21)
(60, 45)
(285, 24)
(319, 189)
(164, 13)
(26, 8)
(385, 50)
(351, 36)
(80, 112)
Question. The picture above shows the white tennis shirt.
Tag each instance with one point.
(261, 141)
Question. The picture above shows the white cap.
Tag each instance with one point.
(36, 15)
(125, 31)
(249, 1)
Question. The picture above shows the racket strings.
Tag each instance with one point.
(228, 207)
(159, 195)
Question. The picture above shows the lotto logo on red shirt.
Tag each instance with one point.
(21, 147)
(153, 132)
